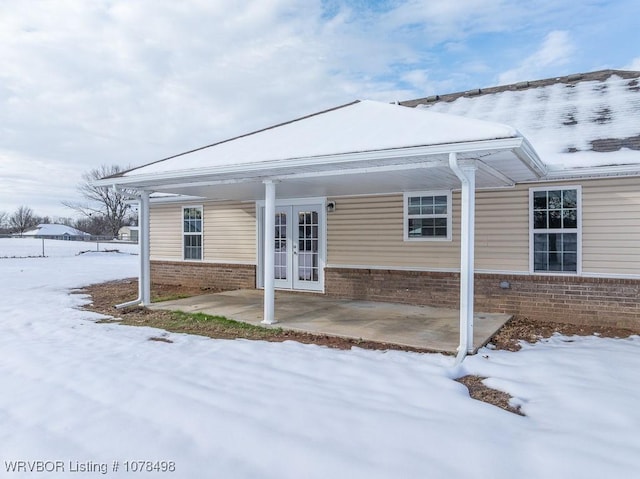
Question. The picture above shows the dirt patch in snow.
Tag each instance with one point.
(522, 329)
(478, 390)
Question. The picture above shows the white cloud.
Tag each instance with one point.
(634, 65)
(556, 49)
(85, 83)
(440, 20)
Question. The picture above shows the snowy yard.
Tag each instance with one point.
(85, 396)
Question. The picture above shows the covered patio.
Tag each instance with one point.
(356, 149)
(422, 327)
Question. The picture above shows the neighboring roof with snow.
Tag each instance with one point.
(362, 126)
(54, 230)
(583, 120)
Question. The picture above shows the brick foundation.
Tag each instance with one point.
(577, 300)
(204, 275)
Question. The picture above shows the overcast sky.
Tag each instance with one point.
(127, 82)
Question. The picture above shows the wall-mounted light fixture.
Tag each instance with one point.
(331, 206)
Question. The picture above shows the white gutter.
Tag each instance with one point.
(593, 171)
(144, 280)
(466, 172)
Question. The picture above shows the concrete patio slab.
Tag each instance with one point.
(422, 327)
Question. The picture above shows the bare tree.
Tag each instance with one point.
(4, 218)
(63, 220)
(23, 219)
(106, 207)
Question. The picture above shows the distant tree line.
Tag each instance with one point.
(24, 219)
(103, 213)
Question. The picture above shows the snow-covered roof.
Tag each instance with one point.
(361, 126)
(54, 230)
(584, 120)
(382, 144)
(576, 126)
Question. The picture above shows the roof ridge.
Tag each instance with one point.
(599, 75)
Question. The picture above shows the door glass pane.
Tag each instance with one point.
(280, 259)
(308, 246)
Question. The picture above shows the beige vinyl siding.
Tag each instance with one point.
(611, 226)
(165, 222)
(368, 231)
(229, 232)
(502, 229)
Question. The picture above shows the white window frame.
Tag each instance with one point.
(184, 233)
(406, 216)
(577, 230)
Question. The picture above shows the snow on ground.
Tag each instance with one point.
(86, 394)
(26, 247)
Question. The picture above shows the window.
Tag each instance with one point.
(555, 229)
(192, 232)
(427, 216)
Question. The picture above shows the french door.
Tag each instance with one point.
(299, 246)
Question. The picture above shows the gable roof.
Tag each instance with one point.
(358, 127)
(384, 144)
(577, 121)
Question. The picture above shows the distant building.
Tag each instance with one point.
(59, 232)
(128, 233)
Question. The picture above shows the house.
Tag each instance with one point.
(57, 232)
(522, 199)
(128, 233)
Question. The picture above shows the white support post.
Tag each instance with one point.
(468, 255)
(269, 251)
(145, 261)
(466, 172)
